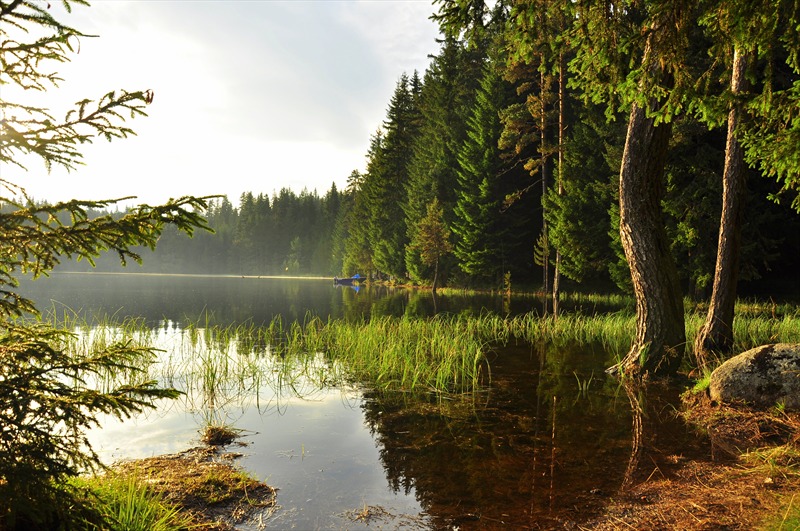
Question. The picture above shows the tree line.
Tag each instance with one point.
(646, 145)
(522, 159)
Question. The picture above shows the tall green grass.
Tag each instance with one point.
(216, 365)
(125, 504)
(442, 354)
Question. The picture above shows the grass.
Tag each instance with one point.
(218, 435)
(788, 517)
(199, 480)
(126, 504)
(442, 354)
(215, 365)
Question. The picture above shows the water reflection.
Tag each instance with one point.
(545, 445)
(531, 452)
(224, 300)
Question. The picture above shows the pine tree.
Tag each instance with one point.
(481, 237)
(384, 186)
(431, 239)
(47, 399)
(446, 100)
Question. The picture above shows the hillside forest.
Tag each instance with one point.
(508, 146)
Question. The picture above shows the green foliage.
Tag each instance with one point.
(432, 238)
(488, 239)
(578, 220)
(28, 130)
(49, 396)
(35, 239)
(446, 101)
(541, 251)
(48, 399)
(125, 504)
(384, 186)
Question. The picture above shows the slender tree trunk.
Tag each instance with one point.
(717, 332)
(543, 172)
(560, 178)
(660, 329)
(435, 277)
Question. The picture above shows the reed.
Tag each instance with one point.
(215, 365)
(127, 504)
(441, 354)
(613, 331)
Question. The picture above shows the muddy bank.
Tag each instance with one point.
(205, 484)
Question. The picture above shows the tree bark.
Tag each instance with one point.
(435, 277)
(543, 172)
(660, 328)
(557, 272)
(716, 335)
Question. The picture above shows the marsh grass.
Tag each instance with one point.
(125, 504)
(788, 518)
(215, 366)
(442, 354)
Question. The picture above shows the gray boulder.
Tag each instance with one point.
(761, 377)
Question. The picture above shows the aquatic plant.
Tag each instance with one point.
(441, 354)
(126, 504)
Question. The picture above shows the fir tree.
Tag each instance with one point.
(47, 395)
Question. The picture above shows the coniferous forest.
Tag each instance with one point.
(511, 134)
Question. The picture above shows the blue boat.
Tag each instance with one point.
(349, 281)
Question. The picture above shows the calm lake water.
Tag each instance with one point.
(544, 446)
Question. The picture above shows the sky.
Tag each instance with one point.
(249, 95)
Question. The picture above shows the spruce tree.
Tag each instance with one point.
(481, 236)
(384, 186)
(445, 102)
(49, 396)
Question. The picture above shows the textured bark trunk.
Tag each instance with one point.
(660, 329)
(716, 335)
(557, 272)
(435, 277)
(543, 172)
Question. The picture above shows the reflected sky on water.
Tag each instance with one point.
(547, 444)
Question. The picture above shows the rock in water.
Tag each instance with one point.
(761, 377)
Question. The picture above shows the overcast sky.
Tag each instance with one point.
(250, 95)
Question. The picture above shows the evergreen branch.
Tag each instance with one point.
(35, 239)
(58, 143)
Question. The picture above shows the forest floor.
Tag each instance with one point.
(755, 486)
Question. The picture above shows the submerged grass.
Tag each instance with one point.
(215, 364)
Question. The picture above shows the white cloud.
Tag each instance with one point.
(249, 95)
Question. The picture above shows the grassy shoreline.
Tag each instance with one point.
(444, 354)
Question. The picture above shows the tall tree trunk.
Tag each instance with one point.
(716, 335)
(543, 172)
(660, 328)
(560, 178)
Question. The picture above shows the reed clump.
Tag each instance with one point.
(215, 364)
(442, 354)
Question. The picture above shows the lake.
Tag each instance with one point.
(545, 445)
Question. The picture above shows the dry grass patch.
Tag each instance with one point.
(205, 484)
(214, 435)
(700, 496)
(747, 488)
